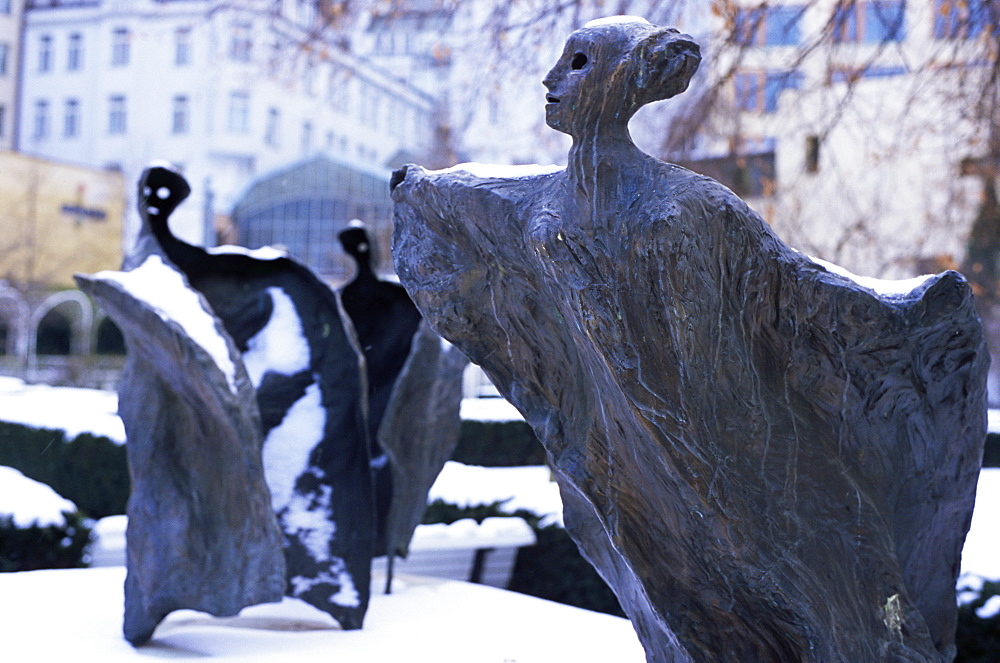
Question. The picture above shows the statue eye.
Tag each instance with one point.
(579, 61)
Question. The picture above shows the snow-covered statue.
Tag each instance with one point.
(766, 459)
(245, 405)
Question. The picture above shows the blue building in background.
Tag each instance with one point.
(303, 207)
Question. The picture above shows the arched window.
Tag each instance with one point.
(54, 335)
(109, 339)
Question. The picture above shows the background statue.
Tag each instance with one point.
(414, 396)
(766, 460)
(262, 376)
(303, 373)
(385, 321)
(201, 532)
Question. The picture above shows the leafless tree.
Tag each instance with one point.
(951, 88)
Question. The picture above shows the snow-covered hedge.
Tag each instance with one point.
(498, 444)
(978, 635)
(89, 469)
(39, 529)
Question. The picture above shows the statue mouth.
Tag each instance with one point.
(550, 99)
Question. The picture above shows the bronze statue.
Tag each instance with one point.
(765, 459)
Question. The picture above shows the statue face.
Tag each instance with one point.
(568, 84)
(610, 68)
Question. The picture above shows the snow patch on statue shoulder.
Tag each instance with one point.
(881, 286)
(263, 253)
(494, 171)
(615, 20)
(167, 292)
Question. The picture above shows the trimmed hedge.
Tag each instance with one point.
(991, 454)
(49, 547)
(551, 569)
(554, 569)
(978, 638)
(498, 444)
(90, 471)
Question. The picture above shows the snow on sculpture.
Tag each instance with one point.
(182, 398)
(243, 367)
(766, 460)
(302, 392)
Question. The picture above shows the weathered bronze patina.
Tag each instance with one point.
(766, 460)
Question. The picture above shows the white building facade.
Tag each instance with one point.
(867, 111)
(11, 16)
(225, 91)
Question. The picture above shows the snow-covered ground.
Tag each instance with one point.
(76, 615)
(981, 555)
(489, 409)
(85, 410)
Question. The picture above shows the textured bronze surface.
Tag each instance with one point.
(766, 460)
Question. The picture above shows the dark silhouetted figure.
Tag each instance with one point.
(385, 320)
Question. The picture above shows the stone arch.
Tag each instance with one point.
(54, 333)
(108, 338)
(62, 324)
(14, 317)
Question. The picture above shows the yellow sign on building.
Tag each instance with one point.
(57, 219)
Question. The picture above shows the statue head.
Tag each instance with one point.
(612, 67)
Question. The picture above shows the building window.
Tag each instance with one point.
(241, 43)
(309, 79)
(375, 111)
(71, 119)
(747, 91)
(45, 53)
(853, 74)
(873, 22)
(41, 128)
(769, 26)
(4, 6)
(239, 112)
(305, 13)
(54, 335)
(884, 21)
(759, 91)
(812, 154)
(272, 132)
(182, 47)
(117, 114)
(3, 121)
(307, 132)
(121, 40)
(4, 58)
(74, 56)
(965, 19)
(181, 113)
